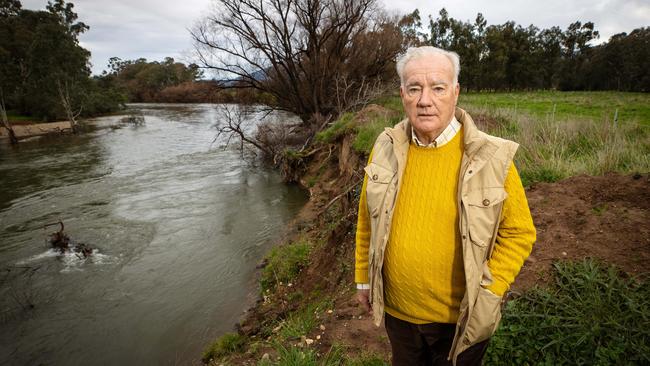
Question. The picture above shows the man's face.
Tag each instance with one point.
(429, 95)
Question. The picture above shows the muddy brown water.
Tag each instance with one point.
(178, 225)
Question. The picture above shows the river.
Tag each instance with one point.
(178, 225)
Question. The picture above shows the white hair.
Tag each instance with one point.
(417, 52)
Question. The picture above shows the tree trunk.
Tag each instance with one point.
(64, 94)
(5, 121)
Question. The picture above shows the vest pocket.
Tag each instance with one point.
(485, 316)
(483, 210)
(379, 178)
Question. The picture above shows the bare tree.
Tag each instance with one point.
(301, 52)
(66, 102)
(5, 120)
(235, 122)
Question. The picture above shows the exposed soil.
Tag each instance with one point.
(604, 217)
(28, 129)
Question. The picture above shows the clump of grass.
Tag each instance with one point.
(303, 321)
(284, 263)
(225, 345)
(590, 315)
(366, 359)
(339, 127)
(335, 356)
(368, 132)
(292, 356)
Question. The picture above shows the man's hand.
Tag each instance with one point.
(363, 297)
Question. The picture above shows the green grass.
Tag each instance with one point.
(590, 315)
(554, 150)
(15, 117)
(595, 106)
(578, 138)
(284, 263)
(368, 132)
(225, 345)
(336, 129)
(336, 356)
(301, 322)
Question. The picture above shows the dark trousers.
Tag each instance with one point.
(428, 344)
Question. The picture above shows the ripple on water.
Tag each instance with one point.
(70, 260)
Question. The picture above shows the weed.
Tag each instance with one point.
(336, 129)
(590, 315)
(335, 356)
(284, 263)
(223, 346)
(303, 321)
(599, 209)
(366, 359)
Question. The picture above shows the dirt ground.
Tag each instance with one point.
(605, 217)
(25, 129)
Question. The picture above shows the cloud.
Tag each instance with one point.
(134, 29)
(155, 29)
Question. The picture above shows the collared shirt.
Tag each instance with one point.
(447, 134)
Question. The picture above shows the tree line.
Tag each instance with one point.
(509, 56)
(321, 58)
(316, 59)
(44, 72)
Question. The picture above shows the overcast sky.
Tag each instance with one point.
(155, 29)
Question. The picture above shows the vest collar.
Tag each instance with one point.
(473, 139)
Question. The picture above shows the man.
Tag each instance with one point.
(444, 226)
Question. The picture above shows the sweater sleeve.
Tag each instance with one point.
(515, 236)
(362, 237)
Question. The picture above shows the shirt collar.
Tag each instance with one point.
(447, 134)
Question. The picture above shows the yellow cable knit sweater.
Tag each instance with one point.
(424, 280)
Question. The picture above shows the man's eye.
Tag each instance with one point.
(414, 90)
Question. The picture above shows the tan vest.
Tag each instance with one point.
(481, 192)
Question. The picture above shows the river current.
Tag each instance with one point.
(177, 224)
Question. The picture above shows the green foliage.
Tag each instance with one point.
(556, 143)
(335, 356)
(338, 128)
(145, 81)
(225, 345)
(293, 356)
(590, 315)
(284, 263)
(368, 132)
(366, 359)
(510, 56)
(41, 59)
(303, 321)
(561, 106)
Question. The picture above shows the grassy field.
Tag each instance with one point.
(567, 106)
(561, 134)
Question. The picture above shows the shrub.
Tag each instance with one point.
(590, 315)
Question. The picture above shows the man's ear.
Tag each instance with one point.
(457, 92)
(401, 92)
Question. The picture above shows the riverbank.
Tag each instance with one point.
(307, 313)
(25, 130)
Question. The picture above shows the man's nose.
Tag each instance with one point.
(425, 98)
